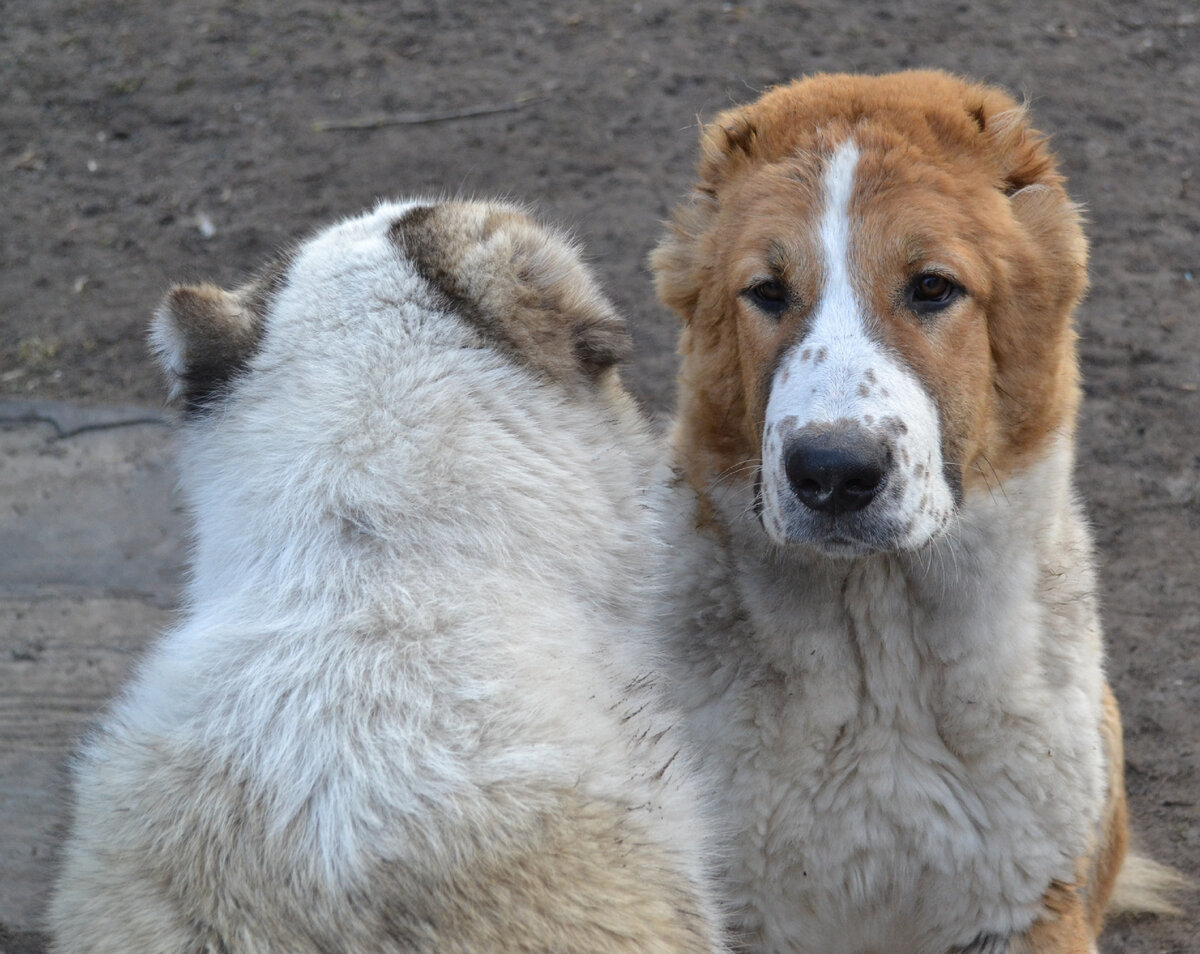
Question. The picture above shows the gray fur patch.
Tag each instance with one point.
(526, 291)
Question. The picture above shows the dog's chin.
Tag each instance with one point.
(848, 537)
(833, 544)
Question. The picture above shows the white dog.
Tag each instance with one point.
(412, 706)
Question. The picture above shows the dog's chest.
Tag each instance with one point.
(888, 798)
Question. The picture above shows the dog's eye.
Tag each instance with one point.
(768, 294)
(930, 292)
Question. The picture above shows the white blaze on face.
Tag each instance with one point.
(839, 377)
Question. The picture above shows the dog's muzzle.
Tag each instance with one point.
(836, 470)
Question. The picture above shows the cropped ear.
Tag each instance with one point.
(1021, 151)
(601, 341)
(519, 283)
(202, 336)
(555, 278)
(678, 261)
(727, 144)
(724, 144)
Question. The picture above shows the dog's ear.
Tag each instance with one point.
(725, 144)
(1028, 175)
(1055, 226)
(1022, 153)
(520, 283)
(202, 336)
(677, 261)
(558, 286)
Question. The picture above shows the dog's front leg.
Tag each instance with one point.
(1063, 928)
(988, 944)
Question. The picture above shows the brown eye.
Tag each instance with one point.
(768, 294)
(930, 292)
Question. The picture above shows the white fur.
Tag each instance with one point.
(421, 576)
(906, 742)
(838, 372)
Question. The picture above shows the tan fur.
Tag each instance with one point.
(547, 872)
(1074, 914)
(757, 173)
(1063, 926)
(217, 324)
(1113, 841)
(1144, 886)
(212, 334)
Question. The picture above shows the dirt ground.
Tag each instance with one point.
(146, 142)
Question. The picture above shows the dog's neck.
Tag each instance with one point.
(954, 590)
(357, 520)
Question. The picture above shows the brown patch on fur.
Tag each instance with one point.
(1113, 841)
(950, 176)
(1073, 914)
(522, 285)
(1063, 925)
(216, 332)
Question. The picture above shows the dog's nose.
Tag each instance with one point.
(838, 470)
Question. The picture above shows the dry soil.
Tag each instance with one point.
(146, 142)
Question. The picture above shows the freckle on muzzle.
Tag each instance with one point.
(836, 469)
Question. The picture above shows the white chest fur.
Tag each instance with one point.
(907, 745)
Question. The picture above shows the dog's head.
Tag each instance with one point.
(495, 276)
(423, 354)
(426, 378)
(877, 276)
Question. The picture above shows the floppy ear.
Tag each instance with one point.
(202, 336)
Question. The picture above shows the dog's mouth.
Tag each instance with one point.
(845, 491)
(841, 536)
(839, 533)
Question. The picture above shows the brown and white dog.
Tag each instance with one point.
(888, 629)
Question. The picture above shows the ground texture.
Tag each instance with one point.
(149, 142)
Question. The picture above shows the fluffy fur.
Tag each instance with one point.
(887, 631)
(413, 703)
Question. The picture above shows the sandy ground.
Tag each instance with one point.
(150, 142)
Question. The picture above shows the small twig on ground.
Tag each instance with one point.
(415, 119)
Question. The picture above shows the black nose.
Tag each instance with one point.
(837, 470)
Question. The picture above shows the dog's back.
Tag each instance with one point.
(412, 706)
